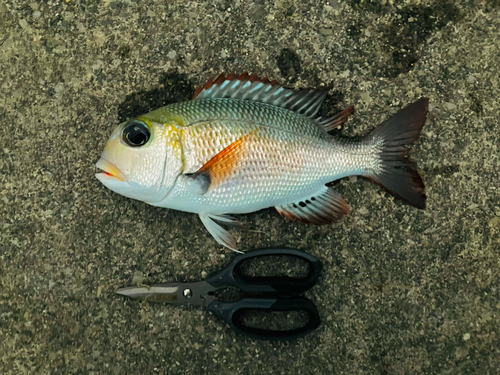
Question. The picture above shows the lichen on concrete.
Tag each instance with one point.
(402, 290)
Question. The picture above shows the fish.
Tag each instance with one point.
(245, 143)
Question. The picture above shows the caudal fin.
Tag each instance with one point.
(398, 174)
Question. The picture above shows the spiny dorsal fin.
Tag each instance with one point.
(246, 87)
(323, 207)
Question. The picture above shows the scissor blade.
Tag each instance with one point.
(154, 293)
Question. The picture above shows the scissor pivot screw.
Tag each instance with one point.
(187, 293)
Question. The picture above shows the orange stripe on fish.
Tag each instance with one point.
(222, 166)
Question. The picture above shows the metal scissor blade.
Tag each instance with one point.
(161, 293)
(195, 294)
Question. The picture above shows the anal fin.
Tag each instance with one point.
(323, 207)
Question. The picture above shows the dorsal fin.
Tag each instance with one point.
(331, 123)
(246, 87)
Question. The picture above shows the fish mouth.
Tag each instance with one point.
(109, 171)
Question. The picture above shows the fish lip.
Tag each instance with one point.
(110, 171)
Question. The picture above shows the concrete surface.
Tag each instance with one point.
(403, 291)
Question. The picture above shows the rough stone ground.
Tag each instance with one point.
(403, 291)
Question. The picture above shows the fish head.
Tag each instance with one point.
(139, 160)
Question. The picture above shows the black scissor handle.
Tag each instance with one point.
(232, 313)
(231, 276)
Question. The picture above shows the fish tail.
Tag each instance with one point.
(394, 171)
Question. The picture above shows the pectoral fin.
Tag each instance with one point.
(222, 166)
(324, 207)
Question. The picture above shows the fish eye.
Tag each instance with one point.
(136, 133)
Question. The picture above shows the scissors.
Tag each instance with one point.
(263, 294)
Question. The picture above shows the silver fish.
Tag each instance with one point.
(244, 144)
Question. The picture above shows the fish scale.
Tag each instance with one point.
(245, 143)
(241, 111)
(292, 152)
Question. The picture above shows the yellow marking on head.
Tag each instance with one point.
(164, 116)
(147, 121)
(173, 136)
